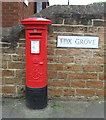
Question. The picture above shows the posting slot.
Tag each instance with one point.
(35, 34)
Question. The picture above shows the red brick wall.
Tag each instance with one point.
(73, 73)
(13, 12)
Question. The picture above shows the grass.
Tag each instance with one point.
(55, 106)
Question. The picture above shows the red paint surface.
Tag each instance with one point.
(36, 63)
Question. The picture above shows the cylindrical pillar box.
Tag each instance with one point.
(36, 61)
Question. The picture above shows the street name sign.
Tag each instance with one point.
(77, 41)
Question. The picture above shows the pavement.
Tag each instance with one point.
(16, 108)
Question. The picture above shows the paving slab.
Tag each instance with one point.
(16, 108)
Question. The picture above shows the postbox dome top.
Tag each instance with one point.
(36, 20)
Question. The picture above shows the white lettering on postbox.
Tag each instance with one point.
(78, 41)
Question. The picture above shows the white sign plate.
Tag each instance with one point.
(35, 46)
(78, 41)
(26, 2)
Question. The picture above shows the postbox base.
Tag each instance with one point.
(36, 98)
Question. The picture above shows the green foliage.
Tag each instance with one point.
(98, 3)
(54, 106)
(22, 98)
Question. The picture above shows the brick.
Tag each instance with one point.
(81, 60)
(20, 80)
(18, 58)
(1, 55)
(21, 45)
(55, 92)
(89, 29)
(14, 10)
(0, 89)
(1, 81)
(69, 92)
(52, 75)
(105, 60)
(23, 79)
(95, 61)
(74, 52)
(100, 92)
(20, 51)
(85, 92)
(98, 22)
(51, 36)
(52, 42)
(78, 84)
(80, 29)
(66, 59)
(95, 30)
(50, 51)
(78, 52)
(52, 46)
(6, 57)
(15, 65)
(94, 84)
(22, 41)
(59, 83)
(104, 92)
(62, 28)
(20, 73)
(9, 80)
(62, 75)
(4, 65)
(9, 89)
(102, 76)
(55, 66)
(69, 67)
(93, 68)
(8, 50)
(82, 76)
(102, 47)
(86, 52)
(53, 59)
(7, 73)
(98, 54)
(102, 37)
(15, 80)
(0, 73)
(61, 52)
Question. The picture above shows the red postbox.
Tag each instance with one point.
(36, 61)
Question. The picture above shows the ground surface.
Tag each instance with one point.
(16, 108)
